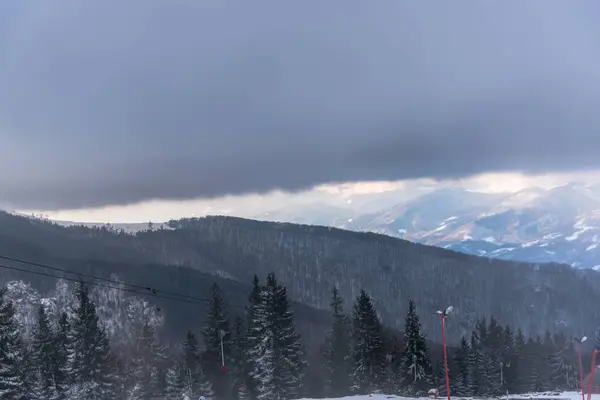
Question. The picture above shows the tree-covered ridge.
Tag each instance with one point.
(257, 354)
(309, 260)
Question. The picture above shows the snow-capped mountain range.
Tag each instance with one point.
(559, 225)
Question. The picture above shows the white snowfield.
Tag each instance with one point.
(528, 396)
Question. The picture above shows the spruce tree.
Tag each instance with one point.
(253, 334)
(277, 357)
(43, 358)
(238, 361)
(415, 363)
(216, 330)
(337, 350)
(89, 363)
(194, 380)
(12, 376)
(175, 381)
(368, 353)
(61, 348)
(462, 376)
(146, 366)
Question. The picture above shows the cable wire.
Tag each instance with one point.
(138, 289)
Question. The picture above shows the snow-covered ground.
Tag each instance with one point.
(528, 396)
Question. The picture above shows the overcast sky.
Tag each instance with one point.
(119, 102)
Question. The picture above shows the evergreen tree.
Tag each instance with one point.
(43, 358)
(12, 376)
(462, 376)
(415, 362)
(238, 361)
(337, 350)
(368, 353)
(146, 366)
(175, 381)
(277, 359)
(60, 365)
(215, 330)
(253, 334)
(89, 364)
(562, 362)
(520, 365)
(474, 363)
(194, 381)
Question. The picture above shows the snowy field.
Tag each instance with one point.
(529, 396)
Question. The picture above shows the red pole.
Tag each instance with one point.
(445, 356)
(580, 371)
(592, 370)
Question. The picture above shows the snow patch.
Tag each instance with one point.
(529, 244)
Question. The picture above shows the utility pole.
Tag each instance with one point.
(443, 315)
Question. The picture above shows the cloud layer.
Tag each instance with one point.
(111, 102)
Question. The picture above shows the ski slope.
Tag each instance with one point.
(528, 396)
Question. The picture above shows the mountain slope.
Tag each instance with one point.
(310, 260)
(536, 225)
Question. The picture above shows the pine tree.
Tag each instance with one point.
(12, 377)
(253, 335)
(89, 364)
(337, 350)
(194, 380)
(239, 362)
(147, 363)
(175, 381)
(217, 330)
(474, 363)
(60, 365)
(462, 377)
(277, 356)
(415, 362)
(43, 358)
(368, 353)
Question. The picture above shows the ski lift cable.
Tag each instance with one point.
(190, 300)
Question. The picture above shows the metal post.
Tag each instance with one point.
(445, 356)
(580, 371)
(221, 334)
(592, 370)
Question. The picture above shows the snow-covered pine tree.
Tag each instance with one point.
(289, 353)
(337, 350)
(562, 362)
(462, 375)
(43, 358)
(414, 362)
(217, 327)
(238, 361)
(195, 382)
(537, 376)
(175, 381)
(60, 365)
(368, 352)
(520, 365)
(252, 337)
(89, 364)
(276, 356)
(474, 362)
(146, 367)
(12, 377)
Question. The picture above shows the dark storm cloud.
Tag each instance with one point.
(112, 102)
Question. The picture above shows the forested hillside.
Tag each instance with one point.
(310, 260)
(95, 343)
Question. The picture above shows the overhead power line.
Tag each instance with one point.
(133, 288)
